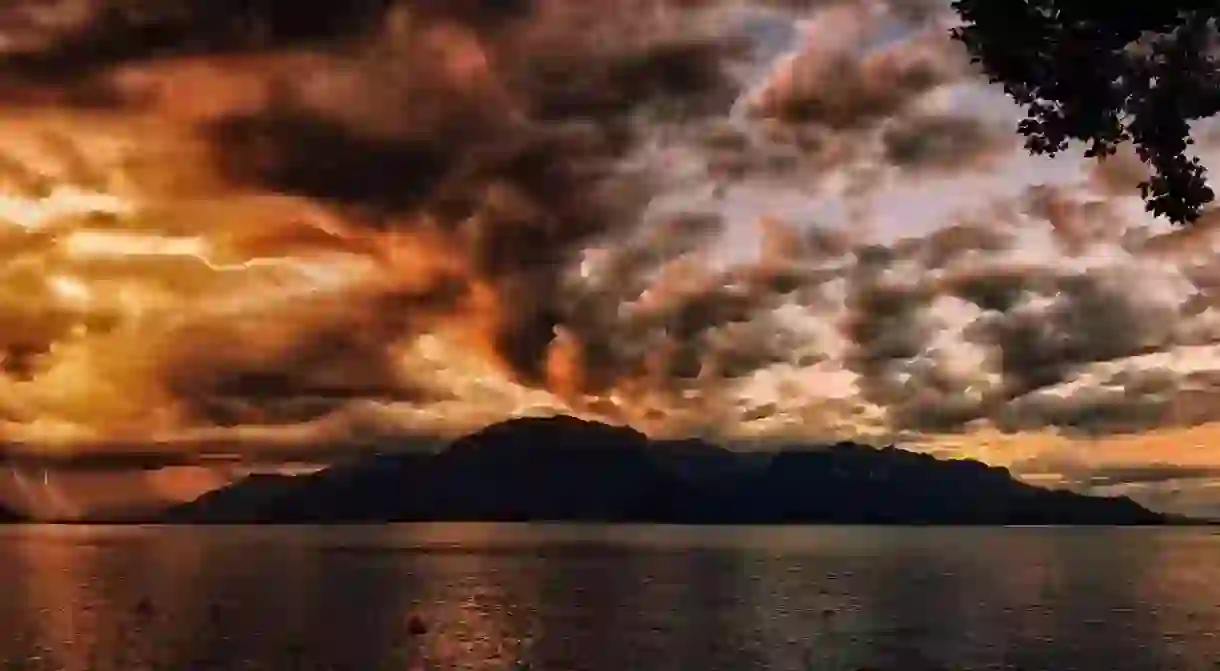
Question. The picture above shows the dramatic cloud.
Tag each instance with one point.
(866, 97)
(1075, 225)
(454, 162)
(264, 234)
(842, 93)
(944, 144)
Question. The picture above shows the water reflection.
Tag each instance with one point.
(54, 603)
(100, 599)
(644, 608)
(1178, 592)
(475, 606)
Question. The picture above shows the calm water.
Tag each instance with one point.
(593, 598)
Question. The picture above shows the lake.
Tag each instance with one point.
(599, 598)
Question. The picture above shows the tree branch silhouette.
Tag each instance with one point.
(1105, 74)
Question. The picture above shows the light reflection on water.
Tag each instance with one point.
(594, 598)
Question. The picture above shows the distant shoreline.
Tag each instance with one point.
(566, 470)
(155, 522)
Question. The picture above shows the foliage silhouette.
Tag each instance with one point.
(1105, 74)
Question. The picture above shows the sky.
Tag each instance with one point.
(754, 221)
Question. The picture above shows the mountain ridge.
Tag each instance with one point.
(10, 516)
(562, 469)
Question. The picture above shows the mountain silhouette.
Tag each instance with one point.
(566, 469)
(8, 516)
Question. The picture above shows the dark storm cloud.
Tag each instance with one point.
(955, 242)
(843, 91)
(998, 287)
(327, 352)
(1091, 319)
(945, 144)
(827, 243)
(75, 39)
(861, 107)
(492, 137)
(1030, 329)
(1076, 225)
(885, 326)
(1087, 412)
(890, 327)
(490, 134)
(514, 169)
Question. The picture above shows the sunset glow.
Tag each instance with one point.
(827, 233)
